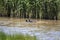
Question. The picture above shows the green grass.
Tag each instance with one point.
(3, 36)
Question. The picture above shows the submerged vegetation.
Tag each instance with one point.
(42, 9)
(4, 36)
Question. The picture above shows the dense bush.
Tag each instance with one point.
(45, 9)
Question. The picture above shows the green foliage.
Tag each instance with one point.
(46, 9)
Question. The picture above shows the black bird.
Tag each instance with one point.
(26, 20)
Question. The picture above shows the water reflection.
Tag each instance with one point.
(39, 33)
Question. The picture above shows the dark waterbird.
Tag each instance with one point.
(29, 20)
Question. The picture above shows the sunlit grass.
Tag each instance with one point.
(4, 36)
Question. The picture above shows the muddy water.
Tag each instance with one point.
(42, 29)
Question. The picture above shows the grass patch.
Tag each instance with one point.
(4, 36)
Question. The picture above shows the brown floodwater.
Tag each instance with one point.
(43, 29)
